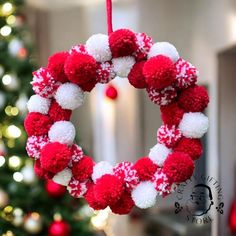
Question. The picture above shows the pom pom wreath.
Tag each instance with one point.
(55, 157)
(100, 169)
(43, 83)
(83, 169)
(124, 205)
(38, 104)
(159, 72)
(136, 77)
(162, 97)
(168, 135)
(144, 43)
(159, 153)
(122, 43)
(127, 173)
(56, 64)
(76, 152)
(34, 145)
(144, 195)
(54, 190)
(62, 132)
(80, 48)
(69, 96)
(105, 72)
(77, 189)
(63, 177)
(194, 125)
(57, 113)
(98, 47)
(123, 65)
(194, 99)
(186, 74)
(192, 147)
(40, 172)
(37, 124)
(171, 114)
(165, 49)
(81, 69)
(178, 167)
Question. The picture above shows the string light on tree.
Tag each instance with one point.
(33, 223)
(14, 162)
(7, 9)
(10, 81)
(4, 199)
(5, 30)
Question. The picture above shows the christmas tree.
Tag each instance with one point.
(28, 206)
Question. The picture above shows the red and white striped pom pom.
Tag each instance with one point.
(105, 72)
(77, 189)
(78, 48)
(77, 153)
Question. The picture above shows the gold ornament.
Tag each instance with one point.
(33, 223)
(4, 199)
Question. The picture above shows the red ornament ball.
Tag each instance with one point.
(159, 72)
(40, 172)
(59, 228)
(55, 157)
(37, 124)
(111, 92)
(122, 43)
(178, 167)
(192, 147)
(194, 99)
(136, 77)
(56, 66)
(54, 190)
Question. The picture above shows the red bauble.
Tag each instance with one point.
(145, 168)
(178, 167)
(194, 99)
(192, 147)
(111, 92)
(159, 72)
(54, 190)
(55, 157)
(136, 77)
(40, 172)
(122, 43)
(56, 66)
(171, 114)
(59, 228)
(37, 124)
(83, 169)
(232, 218)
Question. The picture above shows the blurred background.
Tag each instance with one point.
(203, 31)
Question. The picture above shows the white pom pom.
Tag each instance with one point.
(194, 124)
(165, 49)
(62, 132)
(63, 177)
(100, 169)
(159, 153)
(144, 195)
(123, 65)
(98, 47)
(69, 96)
(39, 104)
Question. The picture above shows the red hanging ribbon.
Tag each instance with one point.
(109, 16)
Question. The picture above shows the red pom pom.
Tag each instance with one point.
(54, 190)
(111, 92)
(83, 169)
(40, 172)
(178, 167)
(105, 72)
(192, 147)
(56, 66)
(108, 189)
(37, 124)
(194, 99)
(159, 72)
(136, 77)
(57, 113)
(76, 188)
(171, 114)
(55, 157)
(122, 43)
(145, 168)
(59, 228)
(124, 205)
(81, 69)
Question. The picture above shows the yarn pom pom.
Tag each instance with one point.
(123, 65)
(80, 48)
(145, 168)
(40, 172)
(178, 167)
(144, 195)
(171, 114)
(159, 72)
(63, 177)
(100, 169)
(39, 104)
(55, 157)
(77, 153)
(136, 77)
(77, 189)
(56, 66)
(122, 43)
(194, 99)
(105, 72)
(37, 124)
(192, 147)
